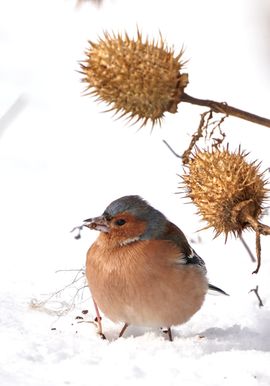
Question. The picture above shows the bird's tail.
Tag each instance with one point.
(216, 289)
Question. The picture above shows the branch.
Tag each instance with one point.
(258, 252)
(221, 107)
(256, 291)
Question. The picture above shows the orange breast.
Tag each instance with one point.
(142, 284)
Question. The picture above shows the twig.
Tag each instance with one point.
(205, 123)
(77, 292)
(78, 229)
(256, 291)
(40, 304)
(258, 251)
(206, 116)
(171, 149)
(70, 270)
(260, 229)
(62, 289)
(217, 125)
(247, 248)
(221, 107)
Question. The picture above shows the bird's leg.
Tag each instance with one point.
(123, 330)
(169, 332)
(98, 318)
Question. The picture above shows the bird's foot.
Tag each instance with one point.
(102, 335)
(168, 332)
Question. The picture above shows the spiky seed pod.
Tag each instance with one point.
(139, 79)
(228, 191)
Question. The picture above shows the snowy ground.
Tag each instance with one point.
(63, 161)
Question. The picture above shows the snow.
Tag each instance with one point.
(63, 161)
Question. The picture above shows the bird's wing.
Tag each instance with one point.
(187, 254)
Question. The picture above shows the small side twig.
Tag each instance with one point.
(217, 125)
(256, 291)
(66, 307)
(260, 229)
(204, 121)
(258, 251)
(247, 248)
(78, 229)
(171, 149)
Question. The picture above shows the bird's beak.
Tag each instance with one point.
(98, 223)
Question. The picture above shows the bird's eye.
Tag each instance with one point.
(120, 222)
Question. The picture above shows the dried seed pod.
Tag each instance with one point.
(139, 79)
(228, 191)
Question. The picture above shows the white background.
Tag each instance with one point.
(62, 160)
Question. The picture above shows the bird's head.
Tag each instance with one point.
(128, 219)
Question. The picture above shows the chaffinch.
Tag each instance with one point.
(141, 269)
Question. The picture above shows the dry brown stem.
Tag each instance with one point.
(260, 229)
(224, 108)
(205, 123)
(258, 251)
(196, 136)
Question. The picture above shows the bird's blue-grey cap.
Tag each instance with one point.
(140, 208)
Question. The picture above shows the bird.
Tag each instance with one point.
(141, 270)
